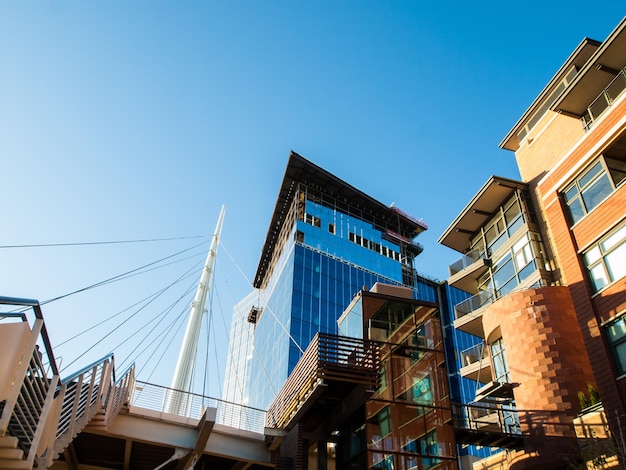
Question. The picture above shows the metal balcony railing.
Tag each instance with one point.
(473, 304)
(604, 100)
(466, 261)
(492, 418)
(155, 397)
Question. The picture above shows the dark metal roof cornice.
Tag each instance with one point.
(299, 170)
(488, 198)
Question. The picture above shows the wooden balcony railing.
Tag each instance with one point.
(328, 358)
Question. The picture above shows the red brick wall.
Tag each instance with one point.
(566, 243)
(547, 358)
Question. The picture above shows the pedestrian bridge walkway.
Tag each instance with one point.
(95, 419)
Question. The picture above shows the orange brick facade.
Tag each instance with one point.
(567, 243)
(570, 148)
(547, 360)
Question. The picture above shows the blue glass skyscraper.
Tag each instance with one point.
(326, 241)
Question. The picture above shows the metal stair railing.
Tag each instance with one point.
(43, 412)
(81, 396)
(30, 397)
(117, 396)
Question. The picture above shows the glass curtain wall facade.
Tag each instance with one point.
(239, 351)
(321, 273)
(327, 241)
(408, 420)
(462, 389)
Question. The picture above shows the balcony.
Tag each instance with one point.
(487, 425)
(464, 272)
(468, 314)
(604, 100)
(333, 375)
(476, 363)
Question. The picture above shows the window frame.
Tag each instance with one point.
(582, 187)
(598, 258)
(620, 341)
(498, 355)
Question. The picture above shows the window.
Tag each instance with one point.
(503, 225)
(426, 446)
(524, 259)
(606, 260)
(616, 333)
(312, 220)
(331, 228)
(421, 391)
(593, 187)
(504, 279)
(500, 365)
(513, 268)
(384, 421)
(495, 235)
(383, 378)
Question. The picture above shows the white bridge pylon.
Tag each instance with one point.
(177, 401)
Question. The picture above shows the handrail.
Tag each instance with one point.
(604, 100)
(30, 414)
(21, 316)
(481, 417)
(29, 398)
(487, 297)
(21, 302)
(474, 354)
(354, 360)
(154, 397)
(82, 395)
(466, 260)
(87, 368)
(473, 303)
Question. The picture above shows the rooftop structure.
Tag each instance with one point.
(326, 240)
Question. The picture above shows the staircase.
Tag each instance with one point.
(39, 413)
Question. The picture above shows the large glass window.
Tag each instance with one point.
(421, 391)
(606, 260)
(425, 446)
(593, 186)
(384, 421)
(512, 269)
(502, 226)
(504, 276)
(500, 365)
(616, 333)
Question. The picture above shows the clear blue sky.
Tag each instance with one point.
(138, 120)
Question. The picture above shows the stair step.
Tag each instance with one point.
(11, 454)
(14, 464)
(8, 442)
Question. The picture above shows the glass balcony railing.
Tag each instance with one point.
(474, 303)
(474, 354)
(604, 100)
(466, 261)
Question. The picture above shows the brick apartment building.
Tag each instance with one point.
(545, 258)
(570, 147)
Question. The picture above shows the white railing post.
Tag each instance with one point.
(20, 374)
(43, 419)
(54, 417)
(72, 422)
